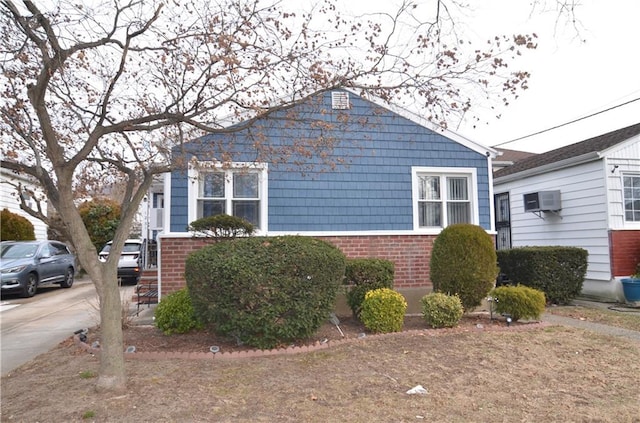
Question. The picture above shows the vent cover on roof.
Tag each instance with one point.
(340, 100)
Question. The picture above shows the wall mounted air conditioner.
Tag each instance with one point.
(542, 201)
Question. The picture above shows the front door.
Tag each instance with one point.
(503, 221)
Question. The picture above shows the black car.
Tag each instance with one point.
(26, 265)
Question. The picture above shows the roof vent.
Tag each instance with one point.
(340, 100)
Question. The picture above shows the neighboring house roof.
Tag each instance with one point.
(588, 149)
(512, 156)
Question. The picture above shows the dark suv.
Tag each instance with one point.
(26, 265)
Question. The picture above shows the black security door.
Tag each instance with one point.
(503, 221)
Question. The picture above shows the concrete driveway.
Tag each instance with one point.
(32, 326)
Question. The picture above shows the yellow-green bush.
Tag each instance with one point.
(383, 310)
(364, 275)
(441, 310)
(520, 302)
(174, 314)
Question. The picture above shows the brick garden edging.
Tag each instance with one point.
(161, 355)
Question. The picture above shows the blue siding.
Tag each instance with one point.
(179, 201)
(371, 192)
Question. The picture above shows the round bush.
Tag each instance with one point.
(221, 226)
(364, 275)
(15, 227)
(174, 314)
(520, 302)
(383, 310)
(463, 262)
(265, 291)
(441, 310)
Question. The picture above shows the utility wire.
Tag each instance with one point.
(566, 123)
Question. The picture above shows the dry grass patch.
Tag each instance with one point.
(543, 375)
(626, 319)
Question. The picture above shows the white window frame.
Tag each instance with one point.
(624, 200)
(237, 167)
(469, 172)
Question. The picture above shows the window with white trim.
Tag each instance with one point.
(443, 197)
(631, 197)
(239, 191)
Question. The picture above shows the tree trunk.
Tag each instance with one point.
(112, 375)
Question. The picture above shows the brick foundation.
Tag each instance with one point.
(624, 248)
(410, 254)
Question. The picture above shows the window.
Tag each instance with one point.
(631, 195)
(443, 197)
(239, 191)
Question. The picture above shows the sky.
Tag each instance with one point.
(576, 71)
(572, 75)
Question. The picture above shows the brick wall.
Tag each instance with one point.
(173, 253)
(410, 254)
(624, 247)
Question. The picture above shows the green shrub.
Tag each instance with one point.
(364, 275)
(383, 310)
(519, 302)
(557, 271)
(14, 227)
(265, 291)
(101, 217)
(221, 226)
(174, 314)
(441, 310)
(463, 262)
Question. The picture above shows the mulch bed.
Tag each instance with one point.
(147, 338)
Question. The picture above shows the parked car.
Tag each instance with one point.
(27, 265)
(130, 262)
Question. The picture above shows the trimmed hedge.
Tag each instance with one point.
(174, 314)
(221, 226)
(265, 291)
(383, 310)
(364, 275)
(519, 302)
(441, 310)
(557, 271)
(463, 262)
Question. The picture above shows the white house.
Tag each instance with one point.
(584, 195)
(9, 198)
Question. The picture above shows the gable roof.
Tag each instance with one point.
(511, 156)
(583, 149)
(400, 111)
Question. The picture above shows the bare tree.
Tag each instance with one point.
(97, 93)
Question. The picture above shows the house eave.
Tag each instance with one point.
(572, 161)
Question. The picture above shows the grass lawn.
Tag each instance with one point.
(549, 374)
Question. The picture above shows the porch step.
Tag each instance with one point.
(147, 288)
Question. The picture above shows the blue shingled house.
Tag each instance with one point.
(385, 188)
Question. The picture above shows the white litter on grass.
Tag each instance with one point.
(418, 389)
